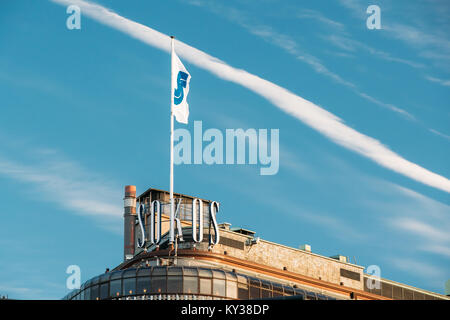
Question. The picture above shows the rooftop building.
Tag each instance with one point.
(208, 260)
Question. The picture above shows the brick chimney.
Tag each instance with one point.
(129, 205)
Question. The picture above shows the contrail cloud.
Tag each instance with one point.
(317, 118)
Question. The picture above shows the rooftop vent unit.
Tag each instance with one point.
(253, 241)
(340, 258)
(244, 231)
(225, 225)
(305, 247)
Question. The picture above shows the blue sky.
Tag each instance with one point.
(85, 112)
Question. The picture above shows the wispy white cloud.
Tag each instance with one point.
(65, 183)
(440, 134)
(441, 250)
(290, 46)
(445, 83)
(417, 37)
(348, 44)
(421, 229)
(420, 269)
(423, 220)
(312, 115)
(318, 16)
(357, 8)
(429, 40)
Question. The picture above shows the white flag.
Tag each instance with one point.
(180, 85)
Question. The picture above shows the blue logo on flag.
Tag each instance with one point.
(178, 93)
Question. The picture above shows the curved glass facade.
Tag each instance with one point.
(184, 283)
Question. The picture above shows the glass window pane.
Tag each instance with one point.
(159, 271)
(266, 285)
(144, 272)
(115, 288)
(188, 271)
(241, 279)
(230, 276)
(254, 292)
(255, 282)
(242, 293)
(105, 277)
(190, 285)
(129, 286)
(266, 293)
(116, 275)
(277, 290)
(301, 292)
(288, 291)
(87, 293)
(95, 280)
(207, 273)
(219, 287)
(311, 295)
(143, 285)
(205, 286)
(175, 284)
(129, 273)
(158, 285)
(95, 292)
(219, 274)
(231, 289)
(104, 290)
(174, 271)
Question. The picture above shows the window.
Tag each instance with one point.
(115, 288)
(242, 291)
(288, 291)
(232, 289)
(219, 287)
(266, 289)
(190, 285)
(277, 290)
(174, 284)
(419, 296)
(95, 292)
(104, 290)
(158, 284)
(266, 293)
(189, 271)
(255, 288)
(254, 292)
(311, 295)
(397, 293)
(205, 286)
(407, 294)
(129, 286)
(386, 290)
(203, 272)
(87, 293)
(143, 285)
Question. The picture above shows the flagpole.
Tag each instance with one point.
(172, 214)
